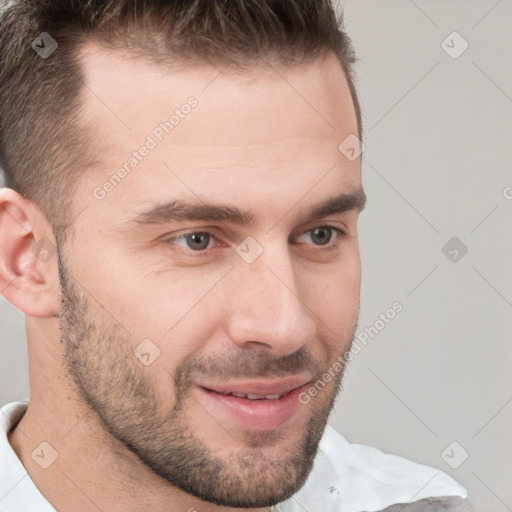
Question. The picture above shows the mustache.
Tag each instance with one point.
(253, 363)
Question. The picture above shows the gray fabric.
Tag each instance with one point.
(443, 504)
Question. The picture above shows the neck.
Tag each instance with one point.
(115, 480)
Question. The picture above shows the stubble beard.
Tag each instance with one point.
(98, 355)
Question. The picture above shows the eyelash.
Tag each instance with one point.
(329, 246)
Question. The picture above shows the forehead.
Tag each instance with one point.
(115, 78)
(266, 125)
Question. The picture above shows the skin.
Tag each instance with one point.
(252, 142)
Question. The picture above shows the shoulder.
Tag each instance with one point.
(444, 504)
(10, 415)
(17, 490)
(350, 477)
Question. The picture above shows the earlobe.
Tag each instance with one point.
(28, 260)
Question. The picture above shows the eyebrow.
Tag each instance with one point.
(180, 211)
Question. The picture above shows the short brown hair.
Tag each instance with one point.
(43, 148)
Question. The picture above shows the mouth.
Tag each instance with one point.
(249, 396)
(255, 405)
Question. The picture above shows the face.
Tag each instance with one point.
(215, 280)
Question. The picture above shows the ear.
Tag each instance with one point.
(29, 277)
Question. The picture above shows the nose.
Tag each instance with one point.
(267, 307)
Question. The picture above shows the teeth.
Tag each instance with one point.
(251, 397)
(259, 397)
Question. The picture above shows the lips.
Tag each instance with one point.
(259, 390)
(256, 405)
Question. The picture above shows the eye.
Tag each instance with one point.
(200, 241)
(196, 240)
(322, 235)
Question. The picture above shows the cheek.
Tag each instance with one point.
(332, 296)
(176, 310)
(338, 279)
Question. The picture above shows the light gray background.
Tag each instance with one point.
(438, 135)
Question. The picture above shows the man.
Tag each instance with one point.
(180, 230)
